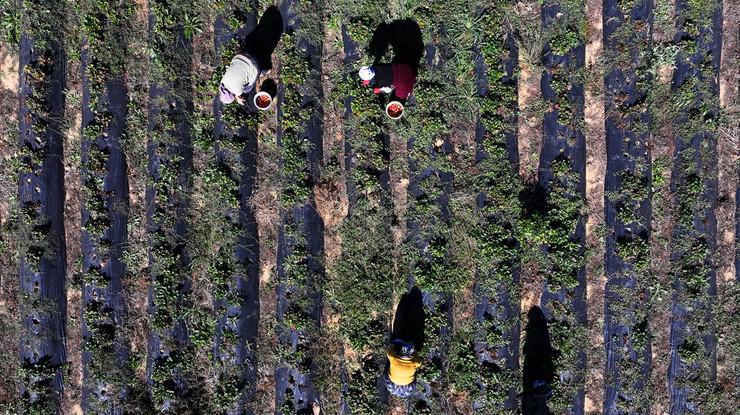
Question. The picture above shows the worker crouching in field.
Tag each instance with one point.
(239, 79)
(396, 78)
(254, 60)
(406, 341)
(400, 377)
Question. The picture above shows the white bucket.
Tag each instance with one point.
(388, 110)
(257, 99)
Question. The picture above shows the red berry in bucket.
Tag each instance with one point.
(262, 100)
(394, 110)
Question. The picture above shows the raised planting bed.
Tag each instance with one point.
(107, 370)
(42, 293)
(436, 251)
(558, 226)
(172, 335)
(300, 271)
(692, 371)
(229, 141)
(627, 47)
(484, 358)
(362, 284)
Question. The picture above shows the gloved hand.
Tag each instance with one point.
(385, 90)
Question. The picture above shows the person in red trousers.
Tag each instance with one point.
(396, 78)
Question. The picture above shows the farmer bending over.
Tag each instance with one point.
(406, 340)
(239, 79)
(254, 59)
(400, 377)
(398, 78)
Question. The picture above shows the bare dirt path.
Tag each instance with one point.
(662, 147)
(71, 401)
(9, 321)
(266, 204)
(529, 95)
(529, 133)
(595, 173)
(332, 204)
(8, 125)
(331, 192)
(137, 282)
(727, 149)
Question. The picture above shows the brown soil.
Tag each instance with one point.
(73, 382)
(662, 148)
(331, 193)
(530, 123)
(529, 98)
(9, 320)
(73, 235)
(532, 285)
(136, 284)
(728, 145)
(399, 182)
(8, 125)
(266, 204)
(595, 173)
(529, 133)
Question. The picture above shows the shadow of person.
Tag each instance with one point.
(262, 41)
(538, 371)
(408, 324)
(404, 37)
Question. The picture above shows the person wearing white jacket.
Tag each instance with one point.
(254, 60)
(239, 79)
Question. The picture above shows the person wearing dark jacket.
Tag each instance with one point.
(398, 78)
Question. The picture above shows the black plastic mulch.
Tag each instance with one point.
(294, 386)
(565, 143)
(503, 309)
(103, 252)
(41, 194)
(624, 149)
(247, 252)
(174, 101)
(703, 162)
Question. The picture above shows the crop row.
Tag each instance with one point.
(428, 260)
(496, 186)
(560, 222)
(171, 339)
(362, 283)
(300, 239)
(485, 353)
(228, 236)
(107, 369)
(628, 45)
(694, 182)
(41, 199)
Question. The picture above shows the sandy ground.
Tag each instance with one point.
(595, 173)
(529, 96)
(331, 192)
(266, 203)
(530, 142)
(728, 145)
(8, 186)
(71, 401)
(662, 147)
(399, 181)
(530, 123)
(137, 277)
(8, 123)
